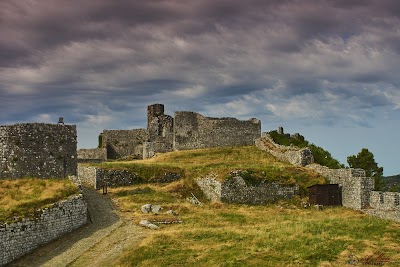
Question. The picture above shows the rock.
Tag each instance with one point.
(156, 209)
(146, 208)
(148, 224)
(171, 212)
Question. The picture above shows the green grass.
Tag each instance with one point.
(192, 164)
(19, 198)
(284, 234)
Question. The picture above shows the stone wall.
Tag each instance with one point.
(89, 176)
(92, 155)
(211, 187)
(356, 188)
(18, 238)
(192, 130)
(235, 190)
(160, 128)
(95, 177)
(37, 150)
(385, 200)
(291, 154)
(124, 143)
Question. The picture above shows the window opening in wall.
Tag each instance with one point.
(397, 200)
(381, 198)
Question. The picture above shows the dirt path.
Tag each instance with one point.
(98, 242)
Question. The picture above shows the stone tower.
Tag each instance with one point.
(154, 111)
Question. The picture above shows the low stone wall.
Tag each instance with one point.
(95, 177)
(293, 155)
(356, 188)
(18, 238)
(393, 215)
(235, 190)
(385, 200)
(92, 155)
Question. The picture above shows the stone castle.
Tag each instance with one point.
(37, 150)
(164, 133)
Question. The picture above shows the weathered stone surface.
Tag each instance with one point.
(293, 155)
(146, 208)
(124, 143)
(210, 186)
(192, 130)
(148, 224)
(18, 238)
(37, 150)
(156, 209)
(92, 155)
(356, 188)
(235, 190)
(97, 177)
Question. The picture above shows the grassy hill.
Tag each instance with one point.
(192, 164)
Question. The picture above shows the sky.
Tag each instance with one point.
(327, 69)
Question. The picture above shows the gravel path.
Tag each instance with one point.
(97, 242)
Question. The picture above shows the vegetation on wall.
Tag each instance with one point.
(365, 160)
(320, 155)
(22, 196)
(256, 164)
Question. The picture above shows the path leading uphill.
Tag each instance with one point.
(95, 244)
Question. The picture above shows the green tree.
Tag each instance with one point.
(365, 160)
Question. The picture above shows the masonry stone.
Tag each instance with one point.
(186, 130)
(20, 237)
(192, 131)
(37, 150)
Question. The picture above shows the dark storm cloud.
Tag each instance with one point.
(326, 60)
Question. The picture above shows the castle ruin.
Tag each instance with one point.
(37, 150)
(186, 130)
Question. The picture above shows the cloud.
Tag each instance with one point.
(327, 62)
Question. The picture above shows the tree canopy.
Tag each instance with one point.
(365, 160)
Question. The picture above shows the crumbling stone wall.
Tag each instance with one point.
(385, 200)
(124, 143)
(161, 128)
(18, 238)
(235, 190)
(97, 177)
(210, 186)
(92, 155)
(37, 150)
(292, 154)
(192, 130)
(356, 187)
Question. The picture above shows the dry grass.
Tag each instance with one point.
(218, 234)
(20, 197)
(221, 161)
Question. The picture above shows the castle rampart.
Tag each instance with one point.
(186, 130)
(18, 238)
(123, 143)
(37, 150)
(192, 130)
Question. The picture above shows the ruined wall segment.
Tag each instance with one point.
(38, 150)
(160, 128)
(292, 154)
(124, 143)
(356, 187)
(192, 131)
(18, 238)
(91, 155)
